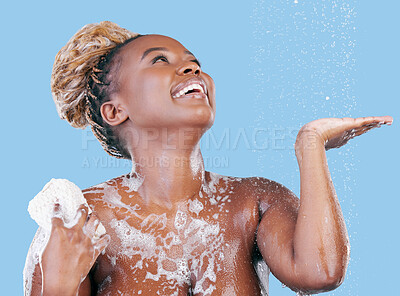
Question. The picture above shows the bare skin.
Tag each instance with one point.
(184, 230)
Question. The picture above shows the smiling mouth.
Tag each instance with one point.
(190, 89)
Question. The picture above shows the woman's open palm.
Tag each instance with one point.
(336, 132)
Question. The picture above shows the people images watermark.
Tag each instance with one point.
(227, 139)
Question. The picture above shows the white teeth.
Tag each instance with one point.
(190, 87)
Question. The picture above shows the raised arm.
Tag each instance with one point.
(305, 243)
(58, 263)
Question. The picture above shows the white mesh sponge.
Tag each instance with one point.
(67, 195)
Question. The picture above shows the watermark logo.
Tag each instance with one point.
(221, 141)
(276, 138)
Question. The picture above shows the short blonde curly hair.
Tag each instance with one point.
(81, 79)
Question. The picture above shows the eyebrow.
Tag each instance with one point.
(149, 50)
(195, 59)
(188, 52)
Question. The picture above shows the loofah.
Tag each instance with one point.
(68, 196)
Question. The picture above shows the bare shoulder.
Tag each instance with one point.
(108, 191)
(102, 188)
(236, 187)
(264, 191)
(250, 186)
(270, 193)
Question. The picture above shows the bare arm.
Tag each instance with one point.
(36, 287)
(306, 244)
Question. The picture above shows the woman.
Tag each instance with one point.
(173, 228)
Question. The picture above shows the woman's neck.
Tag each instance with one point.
(171, 174)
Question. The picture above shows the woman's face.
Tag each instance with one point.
(161, 85)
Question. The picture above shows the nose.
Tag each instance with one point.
(189, 68)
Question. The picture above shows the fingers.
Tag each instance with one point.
(101, 244)
(81, 216)
(365, 128)
(371, 123)
(98, 248)
(385, 119)
(56, 219)
(91, 225)
(381, 120)
(359, 131)
(358, 126)
(82, 221)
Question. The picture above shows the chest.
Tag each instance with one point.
(172, 255)
(205, 243)
(160, 247)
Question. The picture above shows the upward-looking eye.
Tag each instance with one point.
(161, 58)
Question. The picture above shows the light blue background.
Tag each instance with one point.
(273, 62)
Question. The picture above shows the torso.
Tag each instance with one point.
(203, 248)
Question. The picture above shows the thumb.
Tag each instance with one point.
(100, 245)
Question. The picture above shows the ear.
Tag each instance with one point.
(113, 113)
